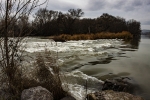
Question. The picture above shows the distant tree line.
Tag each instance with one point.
(48, 23)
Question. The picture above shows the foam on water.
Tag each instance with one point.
(78, 84)
(72, 50)
(70, 46)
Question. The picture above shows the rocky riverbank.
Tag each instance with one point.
(112, 95)
(40, 93)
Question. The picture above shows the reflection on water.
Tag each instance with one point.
(112, 76)
(132, 45)
(146, 36)
(135, 43)
(132, 61)
(106, 59)
(102, 61)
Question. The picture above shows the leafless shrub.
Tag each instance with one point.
(13, 13)
(48, 74)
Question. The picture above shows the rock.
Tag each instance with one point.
(68, 98)
(117, 85)
(112, 95)
(36, 93)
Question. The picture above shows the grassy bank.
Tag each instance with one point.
(104, 35)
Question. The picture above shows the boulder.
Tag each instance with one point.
(36, 93)
(119, 84)
(112, 95)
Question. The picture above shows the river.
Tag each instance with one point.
(97, 60)
(133, 63)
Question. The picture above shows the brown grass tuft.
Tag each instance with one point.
(48, 76)
(104, 35)
(45, 74)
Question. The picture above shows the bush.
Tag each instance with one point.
(47, 73)
(104, 35)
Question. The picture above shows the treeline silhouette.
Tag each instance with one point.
(51, 23)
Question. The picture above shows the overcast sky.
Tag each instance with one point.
(128, 9)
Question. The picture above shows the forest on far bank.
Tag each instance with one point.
(52, 23)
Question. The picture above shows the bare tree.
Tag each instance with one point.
(13, 12)
(45, 21)
(69, 19)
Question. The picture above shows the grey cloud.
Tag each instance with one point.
(97, 5)
(127, 5)
(146, 23)
(137, 3)
(131, 5)
(147, 2)
(60, 6)
(56, 5)
(118, 5)
(129, 8)
(124, 5)
(94, 5)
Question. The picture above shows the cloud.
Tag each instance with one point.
(147, 2)
(94, 5)
(124, 5)
(146, 23)
(137, 3)
(118, 5)
(60, 5)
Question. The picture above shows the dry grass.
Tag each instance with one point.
(123, 35)
(45, 74)
(48, 76)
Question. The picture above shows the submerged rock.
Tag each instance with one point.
(112, 95)
(36, 93)
(119, 84)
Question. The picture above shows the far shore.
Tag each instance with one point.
(104, 35)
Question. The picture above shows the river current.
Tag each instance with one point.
(90, 62)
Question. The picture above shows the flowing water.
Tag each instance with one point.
(88, 63)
